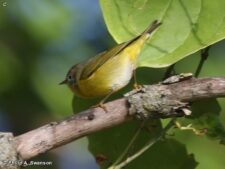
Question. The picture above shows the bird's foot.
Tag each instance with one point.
(137, 86)
(101, 105)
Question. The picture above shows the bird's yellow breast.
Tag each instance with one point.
(114, 74)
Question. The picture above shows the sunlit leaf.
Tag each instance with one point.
(188, 25)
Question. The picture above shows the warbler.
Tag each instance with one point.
(109, 71)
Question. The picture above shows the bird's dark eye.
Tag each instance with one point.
(69, 77)
(70, 80)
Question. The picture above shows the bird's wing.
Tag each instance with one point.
(94, 63)
(97, 61)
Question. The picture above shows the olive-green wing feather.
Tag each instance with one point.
(94, 63)
(97, 61)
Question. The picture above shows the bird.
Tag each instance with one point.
(108, 71)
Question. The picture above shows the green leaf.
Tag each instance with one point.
(169, 154)
(109, 145)
(188, 26)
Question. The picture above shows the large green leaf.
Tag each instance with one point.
(168, 153)
(188, 25)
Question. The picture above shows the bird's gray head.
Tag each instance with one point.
(70, 79)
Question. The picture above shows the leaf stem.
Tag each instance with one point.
(169, 71)
(120, 158)
(204, 57)
(146, 147)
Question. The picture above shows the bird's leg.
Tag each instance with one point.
(101, 103)
(136, 85)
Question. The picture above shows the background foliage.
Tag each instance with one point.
(40, 40)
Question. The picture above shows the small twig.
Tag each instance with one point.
(120, 158)
(197, 132)
(145, 148)
(204, 57)
(169, 71)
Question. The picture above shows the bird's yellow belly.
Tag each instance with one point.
(110, 77)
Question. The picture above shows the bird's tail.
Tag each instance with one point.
(151, 28)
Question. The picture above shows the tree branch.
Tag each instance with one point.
(56, 134)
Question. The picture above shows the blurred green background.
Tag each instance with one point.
(39, 41)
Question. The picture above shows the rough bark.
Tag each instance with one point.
(9, 158)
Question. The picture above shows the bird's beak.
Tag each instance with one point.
(63, 82)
